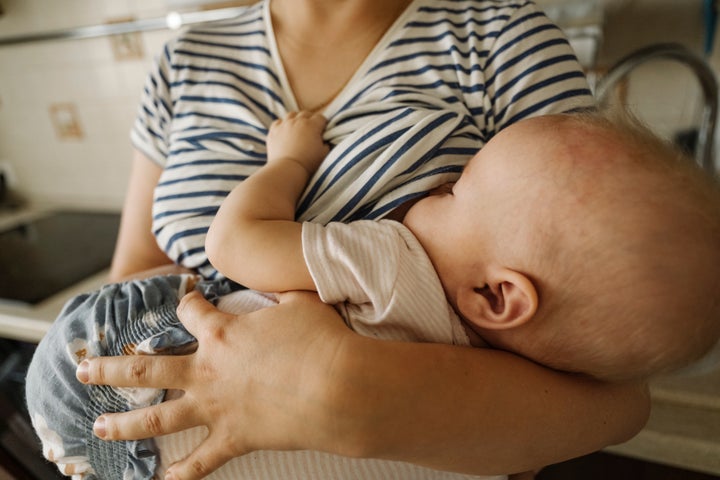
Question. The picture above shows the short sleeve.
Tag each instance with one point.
(150, 131)
(381, 280)
(355, 262)
(532, 70)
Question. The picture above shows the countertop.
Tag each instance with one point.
(29, 323)
(20, 321)
(684, 426)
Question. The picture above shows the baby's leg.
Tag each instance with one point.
(136, 317)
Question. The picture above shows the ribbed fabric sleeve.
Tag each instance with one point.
(382, 281)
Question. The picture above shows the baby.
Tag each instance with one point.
(579, 244)
(582, 245)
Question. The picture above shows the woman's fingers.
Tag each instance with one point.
(210, 455)
(161, 419)
(200, 317)
(136, 371)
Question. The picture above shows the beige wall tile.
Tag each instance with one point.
(103, 91)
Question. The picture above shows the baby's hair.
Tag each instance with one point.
(634, 257)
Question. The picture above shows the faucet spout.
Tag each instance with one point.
(704, 151)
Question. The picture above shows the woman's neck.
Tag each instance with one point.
(318, 21)
(322, 43)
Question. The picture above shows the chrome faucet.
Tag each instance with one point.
(705, 146)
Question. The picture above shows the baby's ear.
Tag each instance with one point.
(508, 299)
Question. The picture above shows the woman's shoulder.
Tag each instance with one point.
(247, 29)
(468, 21)
(475, 8)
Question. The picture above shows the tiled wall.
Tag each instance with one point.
(66, 107)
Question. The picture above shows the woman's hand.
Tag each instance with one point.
(294, 377)
(247, 391)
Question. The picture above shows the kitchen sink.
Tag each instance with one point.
(45, 254)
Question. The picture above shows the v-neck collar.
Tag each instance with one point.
(348, 90)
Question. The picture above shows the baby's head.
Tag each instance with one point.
(598, 250)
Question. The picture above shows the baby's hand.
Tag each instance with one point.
(298, 137)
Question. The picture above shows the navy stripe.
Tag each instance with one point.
(155, 134)
(231, 60)
(215, 33)
(524, 37)
(458, 25)
(385, 209)
(539, 85)
(437, 38)
(195, 194)
(197, 212)
(313, 190)
(461, 151)
(183, 234)
(200, 178)
(194, 251)
(539, 66)
(243, 48)
(257, 104)
(148, 112)
(216, 161)
(256, 85)
(413, 56)
(548, 101)
(426, 131)
(534, 66)
(462, 11)
(380, 172)
(216, 136)
(351, 162)
(166, 86)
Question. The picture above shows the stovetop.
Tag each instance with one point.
(46, 254)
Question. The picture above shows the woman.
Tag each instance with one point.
(386, 74)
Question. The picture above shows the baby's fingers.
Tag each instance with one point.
(210, 455)
(167, 417)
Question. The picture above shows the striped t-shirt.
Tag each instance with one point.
(446, 76)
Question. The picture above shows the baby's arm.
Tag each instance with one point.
(254, 239)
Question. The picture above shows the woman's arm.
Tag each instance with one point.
(294, 377)
(259, 214)
(136, 249)
(478, 411)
